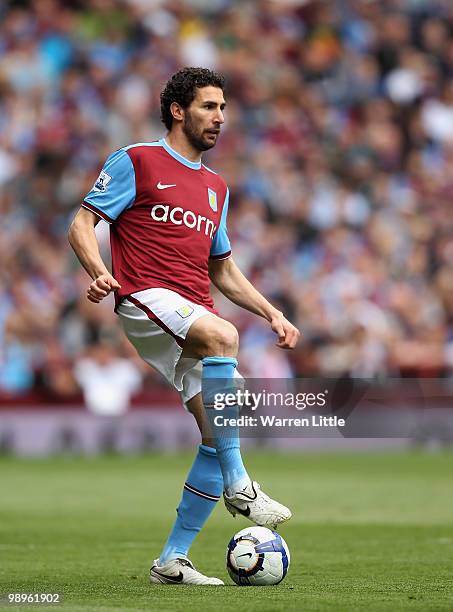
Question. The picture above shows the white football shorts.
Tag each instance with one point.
(157, 321)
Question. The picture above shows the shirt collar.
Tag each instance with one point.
(179, 157)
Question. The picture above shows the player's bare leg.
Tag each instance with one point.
(197, 410)
(216, 342)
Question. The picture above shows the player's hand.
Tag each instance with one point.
(101, 287)
(287, 333)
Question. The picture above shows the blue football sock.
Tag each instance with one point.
(218, 378)
(202, 490)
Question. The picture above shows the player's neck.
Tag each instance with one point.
(181, 145)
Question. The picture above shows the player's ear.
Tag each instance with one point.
(177, 111)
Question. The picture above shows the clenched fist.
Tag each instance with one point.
(101, 287)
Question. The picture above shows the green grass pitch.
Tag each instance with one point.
(370, 532)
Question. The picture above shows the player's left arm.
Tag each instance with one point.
(227, 277)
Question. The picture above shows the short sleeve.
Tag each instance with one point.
(221, 248)
(114, 189)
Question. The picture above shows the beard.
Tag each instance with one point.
(196, 137)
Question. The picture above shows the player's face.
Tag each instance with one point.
(203, 118)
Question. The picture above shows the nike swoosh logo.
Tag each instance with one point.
(161, 186)
(245, 512)
(178, 578)
(245, 555)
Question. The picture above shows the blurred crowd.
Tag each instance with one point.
(337, 147)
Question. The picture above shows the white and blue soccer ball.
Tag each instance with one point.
(257, 556)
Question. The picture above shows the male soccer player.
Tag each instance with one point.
(169, 240)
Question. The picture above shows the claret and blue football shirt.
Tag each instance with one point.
(167, 216)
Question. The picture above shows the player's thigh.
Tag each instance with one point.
(210, 336)
(156, 322)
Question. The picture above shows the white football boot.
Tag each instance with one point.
(179, 571)
(252, 503)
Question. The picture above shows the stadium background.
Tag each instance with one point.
(338, 150)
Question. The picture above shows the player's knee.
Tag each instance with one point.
(223, 341)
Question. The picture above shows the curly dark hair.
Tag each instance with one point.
(181, 89)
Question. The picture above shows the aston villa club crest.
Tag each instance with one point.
(212, 199)
(185, 311)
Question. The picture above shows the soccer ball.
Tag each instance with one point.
(257, 556)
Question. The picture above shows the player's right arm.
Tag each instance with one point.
(112, 193)
(82, 238)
